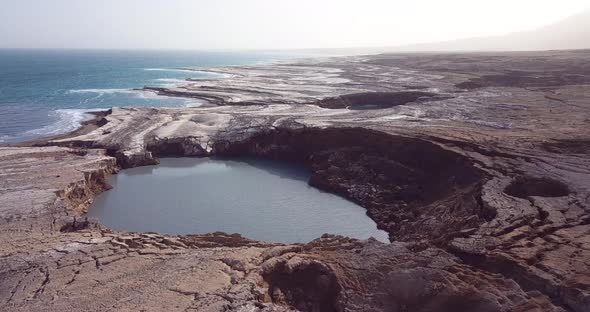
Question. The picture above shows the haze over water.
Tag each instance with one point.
(260, 199)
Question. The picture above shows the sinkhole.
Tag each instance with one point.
(260, 199)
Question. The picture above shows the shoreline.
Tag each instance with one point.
(86, 126)
(160, 91)
(478, 215)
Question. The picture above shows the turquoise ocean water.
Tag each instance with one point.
(49, 92)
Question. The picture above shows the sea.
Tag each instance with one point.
(50, 92)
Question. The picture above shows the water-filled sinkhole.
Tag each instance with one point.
(260, 199)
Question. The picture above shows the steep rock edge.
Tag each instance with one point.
(78, 196)
(347, 161)
(411, 188)
(365, 166)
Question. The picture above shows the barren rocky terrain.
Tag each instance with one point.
(477, 165)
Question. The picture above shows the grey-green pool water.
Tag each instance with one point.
(260, 199)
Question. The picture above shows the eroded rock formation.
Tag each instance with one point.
(484, 190)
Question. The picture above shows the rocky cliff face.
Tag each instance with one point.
(410, 187)
(485, 194)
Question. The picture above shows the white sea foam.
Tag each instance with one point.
(208, 74)
(172, 80)
(169, 69)
(66, 120)
(142, 94)
(101, 91)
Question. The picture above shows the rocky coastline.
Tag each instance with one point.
(476, 164)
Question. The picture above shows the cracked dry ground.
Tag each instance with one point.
(476, 164)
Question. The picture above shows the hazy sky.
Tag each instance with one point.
(259, 24)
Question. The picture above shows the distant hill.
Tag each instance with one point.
(570, 33)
